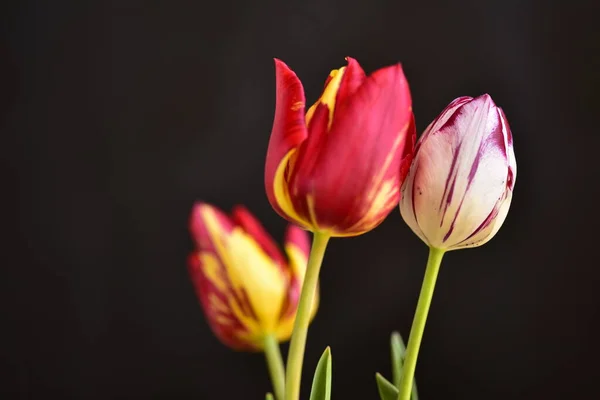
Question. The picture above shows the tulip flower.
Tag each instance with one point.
(249, 292)
(338, 167)
(460, 185)
(457, 194)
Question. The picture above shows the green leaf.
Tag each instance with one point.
(414, 395)
(397, 349)
(269, 397)
(321, 386)
(387, 391)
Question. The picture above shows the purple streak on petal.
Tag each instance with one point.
(508, 131)
(450, 195)
(510, 181)
(493, 140)
(462, 100)
(475, 165)
(413, 193)
(447, 235)
(452, 184)
(451, 120)
(414, 210)
(486, 222)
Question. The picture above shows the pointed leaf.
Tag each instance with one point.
(414, 395)
(269, 397)
(387, 391)
(321, 386)
(397, 349)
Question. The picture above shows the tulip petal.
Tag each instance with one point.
(223, 310)
(289, 130)
(358, 161)
(445, 118)
(198, 228)
(353, 78)
(297, 247)
(256, 284)
(340, 84)
(488, 228)
(512, 162)
(460, 172)
(243, 218)
(409, 149)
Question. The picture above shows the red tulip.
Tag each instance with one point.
(460, 185)
(247, 289)
(338, 168)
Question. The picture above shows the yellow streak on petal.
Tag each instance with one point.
(222, 320)
(328, 96)
(310, 113)
(217, 304)
(330, 92)
(211, 269)
(282, 193)
(298, 262)
(211, 263)
(380, 193)
(251, 270)
(310, 204)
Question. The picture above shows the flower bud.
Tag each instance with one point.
(459, 188)
(246, 287)
(337, 168)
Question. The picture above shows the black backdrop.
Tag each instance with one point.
(117, 115)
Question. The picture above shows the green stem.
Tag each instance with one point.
(307, 295)
(275, 364)
(416, 332)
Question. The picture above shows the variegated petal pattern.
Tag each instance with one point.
(245, 285)
(460, 184)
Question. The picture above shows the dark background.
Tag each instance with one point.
(117, 115)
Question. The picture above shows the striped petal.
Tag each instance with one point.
(297, 247)
(349, 180)
(251, 283)
(244, 219)
(228, 315)
(459, 187)
(289, 130)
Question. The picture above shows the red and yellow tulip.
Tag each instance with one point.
(246, 287)
(337, 168)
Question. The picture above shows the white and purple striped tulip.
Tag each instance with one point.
(461, 180)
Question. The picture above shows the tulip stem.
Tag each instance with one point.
(275, 365)
(418, 326)
(307, 295)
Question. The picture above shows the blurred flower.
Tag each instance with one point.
(338, 169)
(246, 287)
(460, 184)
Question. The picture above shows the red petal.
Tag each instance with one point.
(199, 230)
(289, 128)
(242, 217)
(370, 129)
(205, 290)
(353, 78)
(299, 238)
(409, 149)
